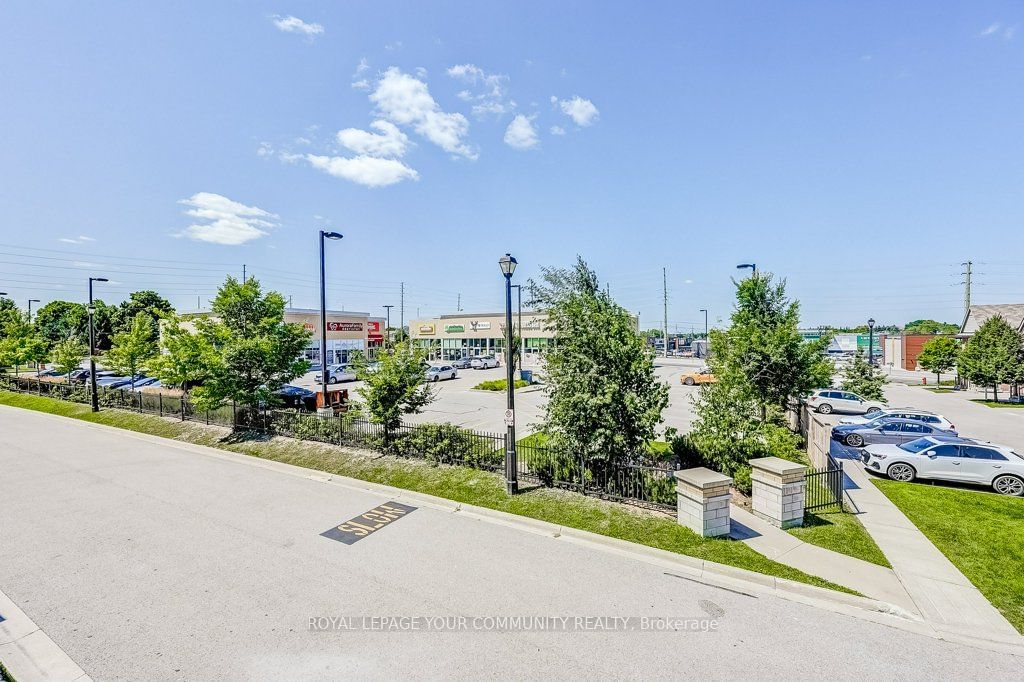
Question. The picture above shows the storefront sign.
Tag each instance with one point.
(426, 329)
(479, 326)
(454, 328)
(336, 326)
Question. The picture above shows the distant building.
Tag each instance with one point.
(977, 315)
(450, 337)
(903, 351)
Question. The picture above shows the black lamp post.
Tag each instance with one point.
(705, 323)
(92, 345)
(324, 378)
(519, 320)
(871, 341)
(30, 302)
(387, 330)
(752, 266)
(508, 266)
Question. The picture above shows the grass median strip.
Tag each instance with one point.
(472, 486)
(981, 533)
(840, 532)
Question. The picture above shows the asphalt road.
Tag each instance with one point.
(146, 559)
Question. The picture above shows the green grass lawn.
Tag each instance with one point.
(992, 403)
(939, 390)
(841, 533)
(461, 484)
(981, 533)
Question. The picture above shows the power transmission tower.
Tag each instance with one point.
(664, 297)
(967, 286)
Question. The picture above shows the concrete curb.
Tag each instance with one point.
(699, 570)
(28, 653)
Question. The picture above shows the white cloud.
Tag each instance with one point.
(491, 96)
(397, 45)
(80, 239)
(389, 142)
(361, 84)
(363, 65)
(223, 221)
(557, 130)
(581, 111)
(292, 24)
(520, 133)
(405, 100)
(421, 72)
(364, 170)
(1010, 32)
(991, 29)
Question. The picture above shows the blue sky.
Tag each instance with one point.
(862, 150)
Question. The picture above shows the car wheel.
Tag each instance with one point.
(824, 408)
(437, 378)
(901, 472)
(1009, 485)
(332, 380)
(874, 409)
(688, 381)
(855, 440)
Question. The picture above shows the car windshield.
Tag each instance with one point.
(917, 445)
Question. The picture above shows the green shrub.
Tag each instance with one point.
(324, 430)
(660, 489)
(499, 385)
(449, 444)
(741, 479)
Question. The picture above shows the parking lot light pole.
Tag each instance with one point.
(30, 302)
(519, 321)
(387, 329)
(703, 310)
(871, 341)
(752, 266)
(92, 345)
(508, 266)
(323, 316)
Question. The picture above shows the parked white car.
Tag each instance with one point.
(336, 373)
(484, 362)
(829, 400)
(439, 372)
(929, 418)
(963, 460)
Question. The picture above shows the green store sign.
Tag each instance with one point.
(454, 328)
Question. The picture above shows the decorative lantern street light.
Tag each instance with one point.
(508, 266)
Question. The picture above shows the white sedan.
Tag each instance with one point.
(484, 362)
(439, 372)
(929, 418)
(950, 459)
(829, 400)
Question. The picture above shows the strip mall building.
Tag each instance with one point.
(346, 332)
(450, 337)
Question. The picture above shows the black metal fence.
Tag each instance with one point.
(640, 483)
(824, 488)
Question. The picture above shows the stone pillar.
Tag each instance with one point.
(702, 498)
(778, 491)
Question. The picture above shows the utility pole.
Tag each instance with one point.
(458, 305)
(199, 306)
(401, 309)
(967, 286)
(387, 328)
(664, 298)
(243, 273)
(289, 300)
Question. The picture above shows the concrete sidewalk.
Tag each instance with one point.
(946, 599)
(872, 580)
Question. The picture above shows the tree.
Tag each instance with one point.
(20, 344)
(59, 320)
(763, 350)
(131, 349)
(67, 355)
(395, 387)
(512, 356)
(863, 378)
(930, 327)
(761, 364)
(939, 355)
(604, 398)
(150, 303)
(993, 355)
(260, 352)
(8, 312)
(187, 358)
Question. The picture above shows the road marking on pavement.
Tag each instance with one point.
(356, 529)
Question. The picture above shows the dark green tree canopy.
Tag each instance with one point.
(604, 398)
(150, 303)
(59, 320)
(993, 355)
(930, 327)
(939, 355)
(863, 378)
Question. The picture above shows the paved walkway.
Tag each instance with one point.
(946, 599)
(871, 580)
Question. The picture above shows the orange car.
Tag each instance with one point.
(704, 376)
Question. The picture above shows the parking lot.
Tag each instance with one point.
(457, 402)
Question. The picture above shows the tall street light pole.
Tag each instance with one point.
(752, 266)
(92, 345)
(324, 378)
(871, 341)
(508, 266)
(30, 302)
(387, 331)
(703, 310)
